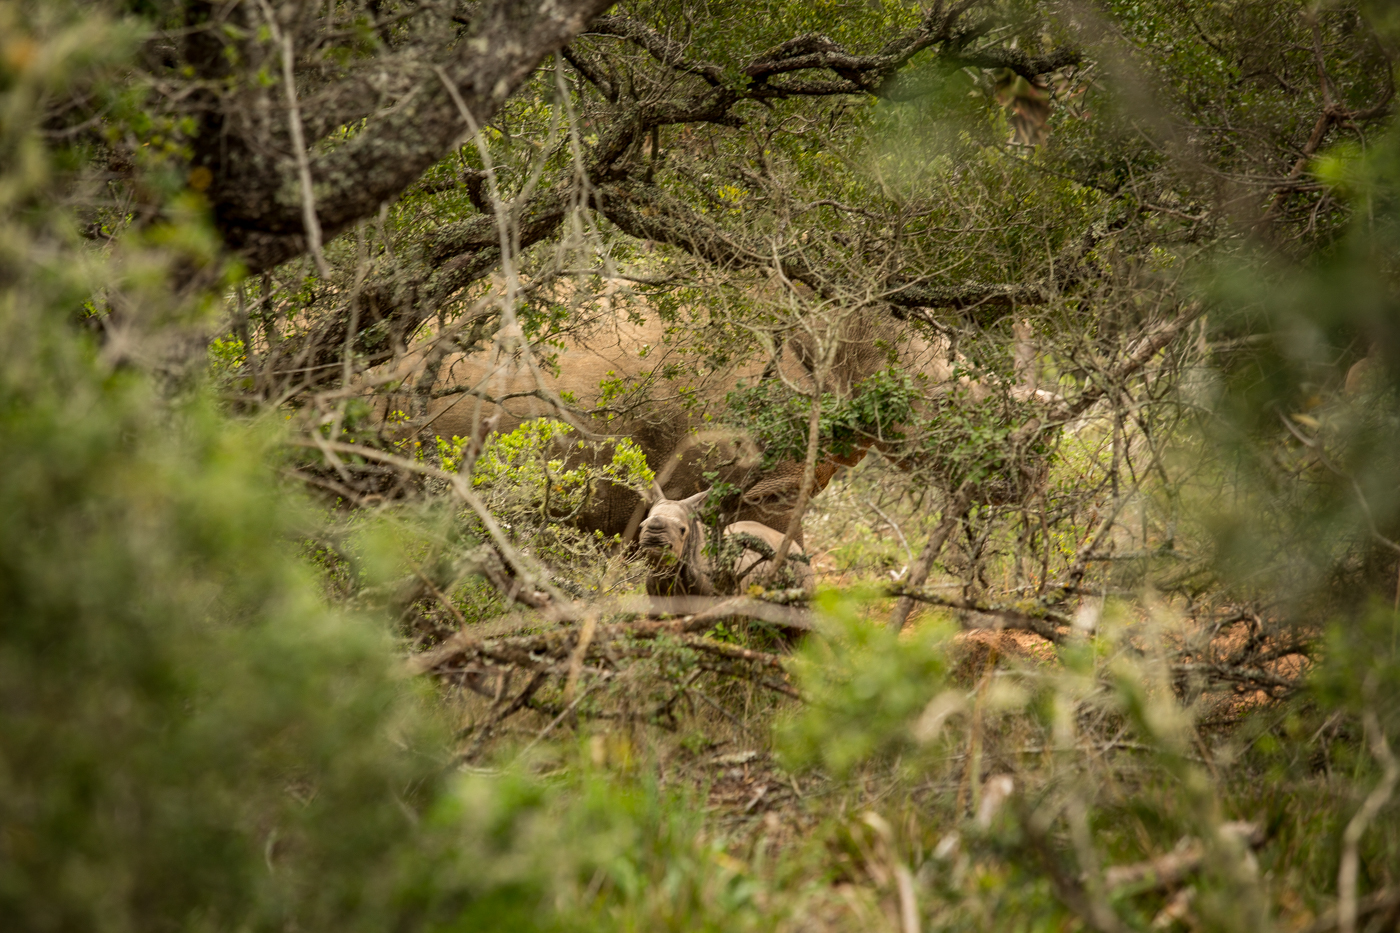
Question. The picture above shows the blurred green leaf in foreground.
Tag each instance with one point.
(189, 738)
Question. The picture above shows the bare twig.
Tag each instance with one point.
(1378, 797)
(510, 709)
(573, 704)
(1031, 616)
(952, 516)
(1173, 868)
(547, 599)
(308, 199)
(1384, 899)
(585, 638)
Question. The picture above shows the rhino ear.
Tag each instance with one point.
(695, 501)
(653, 494)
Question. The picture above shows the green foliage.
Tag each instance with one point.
(976, 443)
(136, 762)
(877, 409)
(189, 737)
(1361, 671)
(637, 850)
(864, 686)
(538, 481)
(227, 356)
(1315, 392)
(949, 435)
(522, 457)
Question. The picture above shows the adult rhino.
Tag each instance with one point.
(632, 376)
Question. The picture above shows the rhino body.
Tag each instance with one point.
(630, 379)
(644, 379)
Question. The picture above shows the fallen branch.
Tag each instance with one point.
(556, 647)
(736, 652)
(1248, 678)
(1029, 616)
(1168, 871)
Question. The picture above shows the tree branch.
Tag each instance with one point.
(261, 216)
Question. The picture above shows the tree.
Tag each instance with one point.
(371, 107)
(279, 164)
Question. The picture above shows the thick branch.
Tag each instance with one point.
(1030, 616)
(967, 296)
(665, 50)
(261, 216)
(647, 213)
(462, 253)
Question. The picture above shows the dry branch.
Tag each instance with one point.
(1170, 870)
(952, 516)
(557, 646)
(1030, 616)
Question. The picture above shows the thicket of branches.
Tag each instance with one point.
(1070, 339)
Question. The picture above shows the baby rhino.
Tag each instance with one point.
(672, 540)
